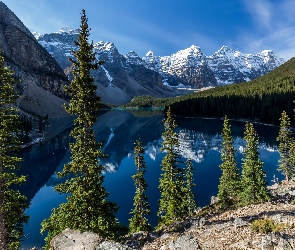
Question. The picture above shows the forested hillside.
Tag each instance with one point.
(262, 99)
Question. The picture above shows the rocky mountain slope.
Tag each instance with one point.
(118, 80)
(231, 66)
(130, 75)
(191, 67)
(211, 231)
(41, 77)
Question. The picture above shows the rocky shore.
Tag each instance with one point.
(227, 230)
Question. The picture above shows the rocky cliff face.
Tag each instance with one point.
(41, 77)
(59, 45)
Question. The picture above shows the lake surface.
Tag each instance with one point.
(200, 140)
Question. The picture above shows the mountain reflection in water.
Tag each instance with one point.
(200, 140)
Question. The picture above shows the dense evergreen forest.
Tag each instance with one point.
(261, 100)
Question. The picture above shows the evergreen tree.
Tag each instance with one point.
(12, 202)
(172, 201)
(139, 222)
(189, 195)
(229, 182)
(87, 207)
(253, 183)
(285, 141)
(292, 156)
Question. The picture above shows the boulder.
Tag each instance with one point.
(70, 239)
(184, 242)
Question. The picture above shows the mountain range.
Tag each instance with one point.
(41, 63)
(160, 75)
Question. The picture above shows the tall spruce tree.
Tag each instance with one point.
(172, 200)
(285, 139)
(12, 202)
(253, 183)
(87, 207)
(292, 156)
(229, 182)
(189, 195)
(139, 222)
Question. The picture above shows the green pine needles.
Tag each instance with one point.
(189, 195)
(139, 222)
(253, 184)
(286, 147)
(229, 182)
(250, 188)
(87, 207)
(173, 199)
(12, 202)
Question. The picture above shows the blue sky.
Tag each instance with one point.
(166, 26)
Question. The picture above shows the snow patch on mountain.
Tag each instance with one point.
(106, 48)
(133, 58)
(107, 74)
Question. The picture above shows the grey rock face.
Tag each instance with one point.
(240, 223)
(70, 239)
(21, 49)
(184, 242)
(111, 245)
(59, 45)
(266, 242)
(197, 222)
(137, 240)
(31, 63)
(277, 242)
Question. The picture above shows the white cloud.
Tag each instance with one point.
(261, 11)
(273, 27)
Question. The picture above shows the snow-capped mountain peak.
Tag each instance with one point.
(192, 52)
(68, 30)
(105, 46)
(133, 58)
(224, 48)
(270, 58)
(36, 34)
(151, 61)
(189, 68)
(267, 52)
(150, 54)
